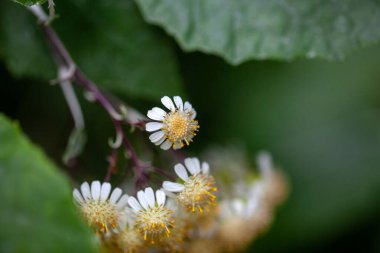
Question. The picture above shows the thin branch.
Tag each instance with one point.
(51, 7)
(88, 85)
(139, 169)
(39, 13)
(163, 173)
(112, 160)
(72, 102)
(118, 112)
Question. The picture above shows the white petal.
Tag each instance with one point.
(178, 102)
(78, 197)
(191, 166)
(156, 136)
(188, 106)
(156, 114)
(161, 197)
(197, 165)
(166, 145)
(181, 171)
(159, 111)
(132, 201)
(205, 168)
(169, 194)
(256, 194)
(265, 163)
(168, 103)
(141, 198)
(95, 190)
(149, 195)
(122, 202)
(172, 187)
(160, 141)
(153, 126)
(105, 191)
(194, 114)
(86, 192)
(177, 145)
(115, 195)
(238, 206)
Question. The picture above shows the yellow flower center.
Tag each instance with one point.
(100, 215)
(179, 127)
(199, 193)
(154, 223)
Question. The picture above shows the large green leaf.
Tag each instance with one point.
(21, 45)
(321, 122)
(36, 212)
(240, 30)
(108, 39)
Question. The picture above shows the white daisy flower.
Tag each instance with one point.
(153, 218)
(197, 190)
(101, 211)
(174, 128)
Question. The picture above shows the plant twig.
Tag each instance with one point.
(72, 101)
(112, 160)
(163, 173)
(118, 115)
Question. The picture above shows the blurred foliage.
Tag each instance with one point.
(103, 36)
(321, 120)
(37, 212)
(240, 30)
(75, 145)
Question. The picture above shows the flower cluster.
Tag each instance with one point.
(248, 210)
(185, 216)
(229, 202)
(149, 218)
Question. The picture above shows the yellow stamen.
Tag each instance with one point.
(198, 194)
(179, 127)
(101, 215)
(154, 223)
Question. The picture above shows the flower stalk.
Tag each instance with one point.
(68, 71)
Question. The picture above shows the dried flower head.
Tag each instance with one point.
(276, 184)
(101, 212)
(176, 241)
(130, 241)
(174, 128)
(197, 192)
(191, 219)
(153, 219)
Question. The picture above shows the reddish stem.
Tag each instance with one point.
(62, 56)
(112, 160)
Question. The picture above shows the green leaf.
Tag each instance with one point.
(320, 121)
(29, 2)
(75, 144)
(21, 45)
(36, 212)
(240, 30)
(109, 41)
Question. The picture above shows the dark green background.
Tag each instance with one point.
(319, 119)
